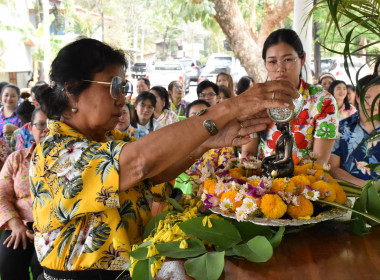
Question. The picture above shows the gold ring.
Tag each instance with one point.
(273, 96)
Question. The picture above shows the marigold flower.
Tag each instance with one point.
(236, 172)
(299, 169)
(291, 187)
(340, 194)
(209, 185)
(300, 181)
(272, 206)
(310, 166)
(304, 209)
(327, 190)
(278, 185)
(254, 182)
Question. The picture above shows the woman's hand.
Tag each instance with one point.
(236, 133)
(274, 94)
(19, 234)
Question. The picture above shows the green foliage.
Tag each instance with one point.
(172, 249)
(222, 233)
(208, 266)
(258, 249)
(142, 270)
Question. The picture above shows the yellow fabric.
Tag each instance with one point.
(82, 221)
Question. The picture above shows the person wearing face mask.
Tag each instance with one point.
(316, 127)
(17, 251)
(176, 94)
(339, 90)
(208, 91)
(162, 113)
(350, 156)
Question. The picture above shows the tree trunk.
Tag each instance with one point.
(230, 19)
(240, 36)
(273, 17)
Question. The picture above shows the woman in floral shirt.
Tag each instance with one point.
(90, 184)
(339, 90)
(316, 127)
(162, 113)
(16, 244)
(176, 93)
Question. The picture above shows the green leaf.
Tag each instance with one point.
(276, 240)
(175, 204)
(209, 266)
(153, 223)
(172, 249)
(373, 203)
(222, 233)
(249, 230)
(183, 183)
(258, 249)
(142, 270)
(358, 225)
(140, 253)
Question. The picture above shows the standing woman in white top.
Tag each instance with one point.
(143, 121)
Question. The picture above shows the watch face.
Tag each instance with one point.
(286, 115)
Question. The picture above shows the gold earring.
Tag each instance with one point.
(74, 110)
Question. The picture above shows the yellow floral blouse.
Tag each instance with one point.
(82, 221)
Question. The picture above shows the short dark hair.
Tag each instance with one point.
(12, 86)
(331, 89)
(163, 93)
(225, 90)
(196, 102)
(145, 80)
(34, 113)
(366, 82)
(76, 62)
(206, 84)
(243, 84)
(24, 111)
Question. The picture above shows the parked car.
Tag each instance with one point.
(222, 63)
(139, 70)
(193, 68)
(335, 66)
(163, 73)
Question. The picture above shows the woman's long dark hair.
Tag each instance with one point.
(164, 95)
(331, 90)
(145, 95)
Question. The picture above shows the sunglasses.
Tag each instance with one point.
(116, 86)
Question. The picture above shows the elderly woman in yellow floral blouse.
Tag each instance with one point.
(91, 184)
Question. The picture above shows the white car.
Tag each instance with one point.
(217, 63)
(335, 66)
(162, 73)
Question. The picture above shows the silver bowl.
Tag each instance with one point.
(281, 115)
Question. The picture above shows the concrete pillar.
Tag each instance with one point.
(301, 11)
